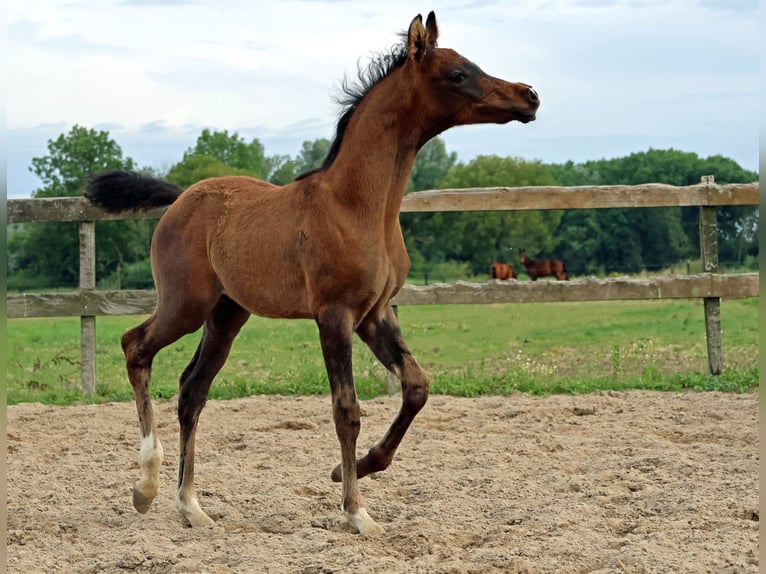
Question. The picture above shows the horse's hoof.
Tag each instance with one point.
(337, 474)
(373, 529)
(192, 512)
(141, 502)
(363, 524)
(202, 519)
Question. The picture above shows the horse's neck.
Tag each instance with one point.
(376, 157)
(373, 178)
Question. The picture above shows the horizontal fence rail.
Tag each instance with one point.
(581, 197)
(88, 303)
(142, 301)
(468, 199)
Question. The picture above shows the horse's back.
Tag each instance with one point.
(188, 246)
(208, 200)
(199, 210)
(232, 184)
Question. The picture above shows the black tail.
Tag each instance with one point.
(117, 191)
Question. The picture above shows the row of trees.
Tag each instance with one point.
(442, 246)
(590, 241)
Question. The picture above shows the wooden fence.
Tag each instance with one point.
(88, 303)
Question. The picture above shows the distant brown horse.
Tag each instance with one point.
(501, 271)
(544, 268)
(326, 247)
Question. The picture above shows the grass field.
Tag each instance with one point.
(468, 350)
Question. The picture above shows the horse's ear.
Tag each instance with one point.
(420, 39)
(432, 29)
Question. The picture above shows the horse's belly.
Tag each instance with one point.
(264, 289)
(269, 300)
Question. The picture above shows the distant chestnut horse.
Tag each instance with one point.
(544, 268)
(502, 271)
(326, 247)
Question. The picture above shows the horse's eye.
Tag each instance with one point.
(457, 77)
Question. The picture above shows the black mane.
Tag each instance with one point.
(352, 94)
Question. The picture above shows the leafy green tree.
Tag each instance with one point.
(632, 240)
(232, 150)
(73, 158)
(478, 238)
(219, 153)
(426, 254)
(738, 225)
(312, 155)
(283, 169)
(194, 168)
(584, 243)
(43, 255)
(498, 235)
(432, 164)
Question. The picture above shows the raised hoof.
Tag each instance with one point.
(337, 474)
(141, 502)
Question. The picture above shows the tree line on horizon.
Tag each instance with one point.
(443, 246)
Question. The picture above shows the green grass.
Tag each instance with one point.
(468, 350)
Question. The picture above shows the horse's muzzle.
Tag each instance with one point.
(532, 96)
(528, 115)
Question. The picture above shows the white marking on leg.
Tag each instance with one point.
(150, 458)
(150, 452)
(151, 455)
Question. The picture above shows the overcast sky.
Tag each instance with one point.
(614, 77)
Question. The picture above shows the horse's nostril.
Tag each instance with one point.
(532, 96)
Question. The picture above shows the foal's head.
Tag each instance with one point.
(436, 88)
(455, 90)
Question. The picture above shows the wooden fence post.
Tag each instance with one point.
(709, 253)
(88, 322)
(392, 382)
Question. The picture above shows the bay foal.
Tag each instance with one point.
(326, 247)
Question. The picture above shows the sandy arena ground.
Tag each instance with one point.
(609, 482)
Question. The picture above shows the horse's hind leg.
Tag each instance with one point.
(384, 337)
(140, 345)
(220, 329)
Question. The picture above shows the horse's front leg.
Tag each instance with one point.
(335, 332)
(384, 337)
